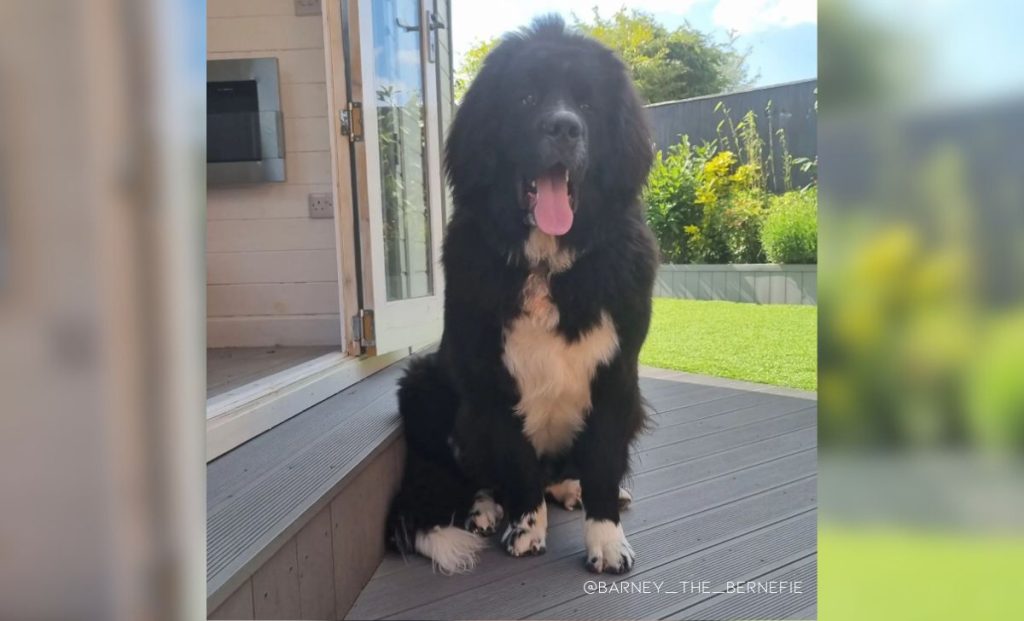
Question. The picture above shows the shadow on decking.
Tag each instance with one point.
(724, 491)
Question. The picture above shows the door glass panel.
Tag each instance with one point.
(401, 126)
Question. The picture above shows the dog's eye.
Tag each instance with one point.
(529, 100)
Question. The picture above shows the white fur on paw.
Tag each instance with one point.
(607, 548)
(567, 493)
(452, 550)
(625, 498)
(485, 514)
(528, 535)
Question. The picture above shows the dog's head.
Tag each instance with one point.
(551, 135)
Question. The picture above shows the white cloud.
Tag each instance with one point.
(747, 16)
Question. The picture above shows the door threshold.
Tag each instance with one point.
(240, 414)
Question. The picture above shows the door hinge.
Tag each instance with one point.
(351, 121)
(363, 329)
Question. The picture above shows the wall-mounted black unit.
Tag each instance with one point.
(244, 130)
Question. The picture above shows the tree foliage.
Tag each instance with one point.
(666, 64)
(471, 64)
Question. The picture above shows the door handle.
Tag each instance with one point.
(434, 22)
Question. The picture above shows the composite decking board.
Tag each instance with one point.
(733, 462)
(701, 512)
(283, 492)
(754, 552)
(715, 477)
(231, 473)
(683, 377)
(675, 547)
(715, 404)
(664, 435)
(673, 415)
(669, 454)
(724, 477)
(726, 461)
(762, 605)
(264, 487)
(685, 473)
(723, 460)
(674, 396)
(738, 461)
(655, 387)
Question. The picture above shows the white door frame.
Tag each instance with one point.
(414, 322)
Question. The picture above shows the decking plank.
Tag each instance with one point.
(230, 474)
(683, 547)
(724, 485)
(734, 461)
(261, 493)
(754, 605)
(709, 507)
(737, 558)
(668, 432)
(705, 445)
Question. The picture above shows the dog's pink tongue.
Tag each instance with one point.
(552, 212)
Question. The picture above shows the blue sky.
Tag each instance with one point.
(781, 34)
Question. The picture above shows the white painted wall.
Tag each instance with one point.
(272, 276)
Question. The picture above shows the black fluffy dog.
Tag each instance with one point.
(549, 268)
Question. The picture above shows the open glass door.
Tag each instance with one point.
(403, 282)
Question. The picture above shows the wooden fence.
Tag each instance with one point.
(792, 110)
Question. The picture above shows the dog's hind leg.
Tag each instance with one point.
(625, 498)
(569, 494)
(485, 514)
(428, 513)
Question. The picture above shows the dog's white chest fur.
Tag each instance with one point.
(553, 375)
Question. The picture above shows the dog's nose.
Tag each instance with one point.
(562, 125)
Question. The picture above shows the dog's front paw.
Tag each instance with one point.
(485, 515)
(527, 536)
(607, 548)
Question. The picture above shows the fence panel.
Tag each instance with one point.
(753, 283)
(793, 111)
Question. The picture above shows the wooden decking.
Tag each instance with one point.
(724, 488)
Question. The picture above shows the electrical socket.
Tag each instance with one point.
(321, 206)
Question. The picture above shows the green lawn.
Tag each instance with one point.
(892, 573)
(770, 343)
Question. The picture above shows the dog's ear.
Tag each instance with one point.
(471, 155)
(634, 141)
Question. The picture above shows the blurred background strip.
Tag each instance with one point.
(921, 310)
(101, 211)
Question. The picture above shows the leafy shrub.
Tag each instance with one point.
(789, 230)
(715, 183)
(732, 202)
(707, 204)
(671, 199)
(742, 221)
